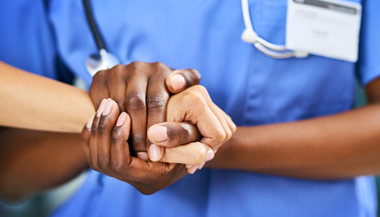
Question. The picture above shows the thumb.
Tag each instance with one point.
(179, 80)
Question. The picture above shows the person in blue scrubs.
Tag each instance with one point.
(297, 148)
(300, 142)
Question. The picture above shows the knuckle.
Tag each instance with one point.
(192, 97)
(138, 139)
(160, 65)
(101, 128)
(195, 96)
(220, 135)
(137, 66)
(228, 134)
(193, 101)
(114, 139)
(201, 89)
(134, 63)
(233, 128)
(160, 71)
(135, 101)
(117, 68)
(99, 75)
(157, 102)
(94, 130)
(116, 136)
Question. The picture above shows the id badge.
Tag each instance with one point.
(328, 28)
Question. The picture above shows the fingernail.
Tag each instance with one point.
(121, 119)
(177, 81)
(101, 108)
(89, 123)
(143, 156)
(210, 155)
(155, 152)
(202, 165)
(107, 107)
(188, 166)
(158, 133)
(193, 169)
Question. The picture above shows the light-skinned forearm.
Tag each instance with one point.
(34, 102)
(32, 161)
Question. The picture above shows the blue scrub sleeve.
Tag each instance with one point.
(369, 56)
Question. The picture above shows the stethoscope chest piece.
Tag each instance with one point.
(102, 61)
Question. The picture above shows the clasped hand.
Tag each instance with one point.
(151, 121)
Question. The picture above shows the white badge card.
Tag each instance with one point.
(327, 28)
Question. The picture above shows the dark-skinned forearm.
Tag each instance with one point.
(338, 146)
(332, 147)
(32, 161)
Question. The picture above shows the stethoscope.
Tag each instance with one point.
(273, 50)
(105, 60)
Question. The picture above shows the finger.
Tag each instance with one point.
(201, 165)
(226, 134)
(157, 98)
(191, 168)
(98, 89)
(140, 171)
(200, 114)
(192, 153)
(93, 160)
(117, 87)
(106, 123)
(231, 124)
(120, 153)
(179, 80)
(143, 155)
(155, 152)
(136, 108)
(171, 134)
(85, 137)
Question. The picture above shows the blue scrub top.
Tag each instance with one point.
(26, 40)
(252, 88)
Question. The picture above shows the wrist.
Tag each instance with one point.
(228, 153)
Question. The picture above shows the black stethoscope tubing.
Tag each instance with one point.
(96, 34)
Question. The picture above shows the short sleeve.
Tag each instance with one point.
(26, 40)
(369, 51)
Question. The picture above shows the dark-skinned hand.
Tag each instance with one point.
(142, 90)
(104, 140)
